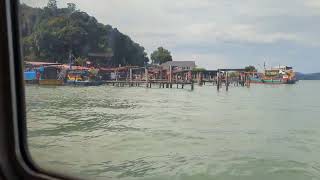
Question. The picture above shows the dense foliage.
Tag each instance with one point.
(250, 69)
(312, 76)
(51, 34)
(197, 69)
(160, 56)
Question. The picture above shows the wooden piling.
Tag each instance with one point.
(218, 80)
(146, 76)
(170, 74)
(227, 81)
(199, 75)
(130, 75)
(116, 74)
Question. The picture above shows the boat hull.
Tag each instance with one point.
(51, 82)
(271, 81)
(84, 83)
(256, 81)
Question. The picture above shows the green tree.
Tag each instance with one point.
(160, 56)
(52, 4)
(250, 69)
(197, 69)
(72, 7)
(234, 74)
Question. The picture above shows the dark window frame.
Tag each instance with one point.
(15, 160)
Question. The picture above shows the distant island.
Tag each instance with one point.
(310, 76)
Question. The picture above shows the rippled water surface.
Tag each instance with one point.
(264, 132)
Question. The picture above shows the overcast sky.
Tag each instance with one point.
(217, 33)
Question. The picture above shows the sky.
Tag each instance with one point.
(217, 33)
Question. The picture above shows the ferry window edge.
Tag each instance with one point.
(15, 161)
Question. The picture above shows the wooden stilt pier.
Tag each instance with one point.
(171, 77)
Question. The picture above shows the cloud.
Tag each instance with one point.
(235, 32)
(209, 61)
(313, 4)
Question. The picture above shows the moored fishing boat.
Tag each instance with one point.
(84, 83)
(50, 76)
(30, 76)
(83, 77)
(256, 80)
(277, 75)
(51, 82)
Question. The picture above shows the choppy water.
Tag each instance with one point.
(262, 133)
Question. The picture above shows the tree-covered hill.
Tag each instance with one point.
(312, 76)
(51, 33)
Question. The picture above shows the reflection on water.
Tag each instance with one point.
(262, 132)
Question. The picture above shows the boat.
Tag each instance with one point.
(51, 82)
(256, 80)
(30, 76)
(44, 75)
(277, 75)
(82, 78)
(50, 76)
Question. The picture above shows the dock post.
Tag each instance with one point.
(248, 81)
(245, 80)
(218, 80)
(190, 76)
(146, 76)
(192, 86)
(227, 81)
(213, 80)
(130, 71)
(170, 74)
(116, 74)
